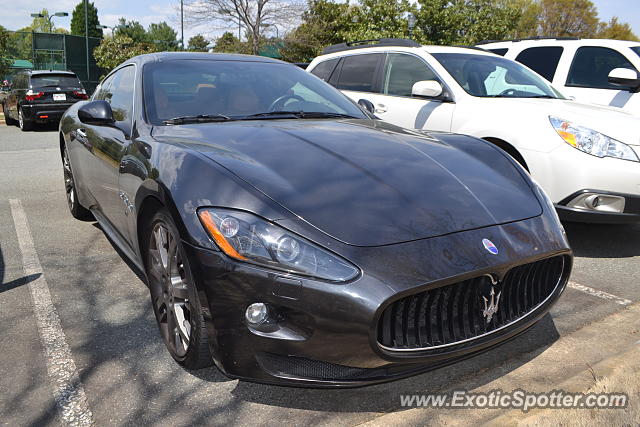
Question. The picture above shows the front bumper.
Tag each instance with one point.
(565, 172)
(631, 213)
(325, 334)
(51, 112)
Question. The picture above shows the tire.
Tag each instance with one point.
(174, 296)
(8, 120)
(77, 210)
(24, 124)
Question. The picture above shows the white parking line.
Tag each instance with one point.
(68, 391)
(598, 293)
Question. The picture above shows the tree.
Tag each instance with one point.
(324, 23)
(77, 20)
(465, 21)
(113, 51)
(374, 19)
(198, 43)
(5, 62)
(163, 36)
(568, 18)
(132, 29)
(616, 30)
(529, 11)
(251, 15)
(229, 43)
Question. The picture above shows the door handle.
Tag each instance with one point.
(381, 108)
(81, 133)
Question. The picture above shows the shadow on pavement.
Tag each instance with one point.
(604, 240)
(18, 282)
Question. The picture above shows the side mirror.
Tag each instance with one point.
(624, 77)
(427, 89)
(97, 113)
(367, 105)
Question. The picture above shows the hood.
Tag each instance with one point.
(611, 121)
(366, 183)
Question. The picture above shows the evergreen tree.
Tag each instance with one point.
(77, 20)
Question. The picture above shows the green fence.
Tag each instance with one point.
(53, 51)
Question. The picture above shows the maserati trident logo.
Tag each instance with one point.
(488, 245)
(491, 308)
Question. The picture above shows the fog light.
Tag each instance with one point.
(598, 202)
(257, 313)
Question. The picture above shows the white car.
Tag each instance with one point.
(584, 156)
(598, 71)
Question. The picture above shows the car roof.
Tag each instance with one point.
(175, 56)
(422, 48)
(558, 42)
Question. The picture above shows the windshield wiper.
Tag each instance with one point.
(200, 118)
(296, 115)
(543, 96)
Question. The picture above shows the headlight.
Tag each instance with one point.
(246, 237)
(592, 142)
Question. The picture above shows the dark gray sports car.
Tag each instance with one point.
(291, 238)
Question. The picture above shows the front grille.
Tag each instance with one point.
(454, 313)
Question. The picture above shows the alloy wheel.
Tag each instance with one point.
(69, 184)
(169, 290)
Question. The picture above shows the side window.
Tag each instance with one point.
(402, 71)
(591, 67)
(359, 72)
(103, 92)
(121, 93)
(542, 60)
(324, 69)
(501, 51)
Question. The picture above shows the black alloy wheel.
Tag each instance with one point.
(77, 210)
(174, 297)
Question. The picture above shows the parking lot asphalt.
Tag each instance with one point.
(127, 375)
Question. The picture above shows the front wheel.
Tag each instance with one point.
(174, 296)
(77, 210)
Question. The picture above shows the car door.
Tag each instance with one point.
(588, 76)
(107, 145)
(397, 105)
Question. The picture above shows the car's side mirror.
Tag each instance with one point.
(625, 77)
(367, 105)
(97, 113)
(427, 89)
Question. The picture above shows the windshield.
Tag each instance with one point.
(235, 90)
(60, 80)
(493, 76)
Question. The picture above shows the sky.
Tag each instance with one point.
(147, 11)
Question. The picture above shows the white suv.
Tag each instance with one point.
(584, 156)
(599, 71)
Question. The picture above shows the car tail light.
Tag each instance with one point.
(31, 95)
(80, 94)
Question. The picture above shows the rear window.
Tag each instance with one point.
(542, 60)
(58, 80)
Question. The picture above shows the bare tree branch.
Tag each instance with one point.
(253, 16)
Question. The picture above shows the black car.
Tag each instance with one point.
(41, 96)
(291, 238)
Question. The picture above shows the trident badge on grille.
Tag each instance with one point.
(492, 308)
